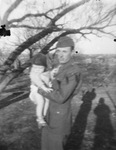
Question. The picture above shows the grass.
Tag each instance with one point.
(19, 130)
(18, 127)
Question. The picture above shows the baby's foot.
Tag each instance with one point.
(41, 122)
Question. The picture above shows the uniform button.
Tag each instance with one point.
(57, 112)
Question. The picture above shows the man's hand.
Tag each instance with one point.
(48, 90)
(50, 84)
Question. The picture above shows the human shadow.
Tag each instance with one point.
(104, 131)
(3, 147)
(77, 132)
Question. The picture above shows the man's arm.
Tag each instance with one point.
(64, 92)
(79, 85)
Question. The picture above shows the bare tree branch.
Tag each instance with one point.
(27, 16)
(76, 31)
(25, 45)
(97, 25)
(108, 16)
(40, 35)
(46, 15)
(67, 10)
(9, 10)
(27, 26)
(67, 31)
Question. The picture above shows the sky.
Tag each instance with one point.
(99, 45)
(95, 45)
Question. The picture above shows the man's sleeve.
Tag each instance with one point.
(79, 85)
(64, 92)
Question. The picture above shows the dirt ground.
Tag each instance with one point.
(94, 123)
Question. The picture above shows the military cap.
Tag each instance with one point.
(65, 41)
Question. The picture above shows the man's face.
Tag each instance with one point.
(64, 54)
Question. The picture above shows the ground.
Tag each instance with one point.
(94, 117)
(94, 125)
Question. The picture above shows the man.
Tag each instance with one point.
(66, 81)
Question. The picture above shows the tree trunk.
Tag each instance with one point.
(13, 98)
(7, 79)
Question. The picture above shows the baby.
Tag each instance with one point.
(40, 78)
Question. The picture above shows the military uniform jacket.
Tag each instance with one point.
(64, 85)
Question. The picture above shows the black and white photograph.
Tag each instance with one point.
(57, 74)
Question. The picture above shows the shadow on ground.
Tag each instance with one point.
(77, 133)
(104, 131)
(19, 130)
